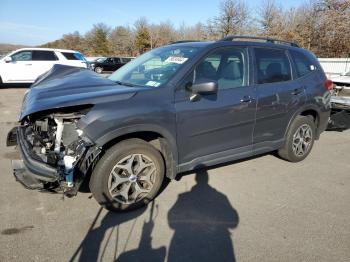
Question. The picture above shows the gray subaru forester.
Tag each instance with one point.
(173, 109)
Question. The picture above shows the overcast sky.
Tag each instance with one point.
(39, 21)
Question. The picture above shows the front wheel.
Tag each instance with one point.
(98, 70)
(300, 139)
(128, 176)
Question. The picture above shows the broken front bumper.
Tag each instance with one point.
(29, 171)
(35, 174)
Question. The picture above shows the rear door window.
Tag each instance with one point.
(22, 56)
(125, 60)
(44, 55)
(303, 65)
(109, 61)
(272, 65)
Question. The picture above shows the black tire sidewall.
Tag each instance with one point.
(100, 175)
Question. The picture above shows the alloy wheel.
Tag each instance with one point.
(302, 140)
(132, 178)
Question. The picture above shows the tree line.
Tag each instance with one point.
(322, 26)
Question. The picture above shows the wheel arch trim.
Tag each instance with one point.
(129, 131)
(300, 111)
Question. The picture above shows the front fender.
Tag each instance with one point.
(133, 129)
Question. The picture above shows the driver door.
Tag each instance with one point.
(108, 64)
(20, 69)
(216, 126)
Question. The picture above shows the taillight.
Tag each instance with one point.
(328, 84)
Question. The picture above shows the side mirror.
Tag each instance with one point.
(205, 88)
(8, 59)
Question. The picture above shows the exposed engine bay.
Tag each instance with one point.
(55, 140)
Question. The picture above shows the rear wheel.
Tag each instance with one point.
(98, 70)
(300, 139)
(128, 176)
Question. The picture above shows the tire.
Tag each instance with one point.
(300, 139)
(98, 70)
(125, 158)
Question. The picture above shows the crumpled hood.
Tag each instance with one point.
(65, 86)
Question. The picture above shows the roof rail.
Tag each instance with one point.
(266, 39)
(183, 41)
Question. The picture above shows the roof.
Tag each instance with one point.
(46, 49)
(240, 40)
(192, 43)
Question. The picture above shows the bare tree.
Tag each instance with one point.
(270, 17)
(162, 33)
(121, 41)
(232, 18)
(195, 32)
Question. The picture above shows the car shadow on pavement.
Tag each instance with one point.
(145, 252)
(202, 219)
(91, 246)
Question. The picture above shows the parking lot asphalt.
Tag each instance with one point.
(260, 209)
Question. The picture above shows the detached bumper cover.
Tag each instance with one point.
(34, 168)
(24, 176)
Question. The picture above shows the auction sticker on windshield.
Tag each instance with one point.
(176, 59)
(152, 83)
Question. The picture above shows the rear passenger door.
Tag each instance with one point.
(117, 63)
(278, 96)
(221, 122)
(42, 62)
(108, 64)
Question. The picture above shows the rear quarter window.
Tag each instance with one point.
(73, 56)
(303, 64)
(125, 60)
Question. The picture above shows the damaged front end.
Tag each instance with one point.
(56, 154)
(340, 103)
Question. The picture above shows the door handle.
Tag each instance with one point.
(28, 64)
(297, 91)
(246, 99)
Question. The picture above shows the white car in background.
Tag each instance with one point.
(26, 64)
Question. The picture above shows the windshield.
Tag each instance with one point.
(80, 56)
(154, 67)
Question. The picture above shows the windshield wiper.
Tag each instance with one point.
(124, 84)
